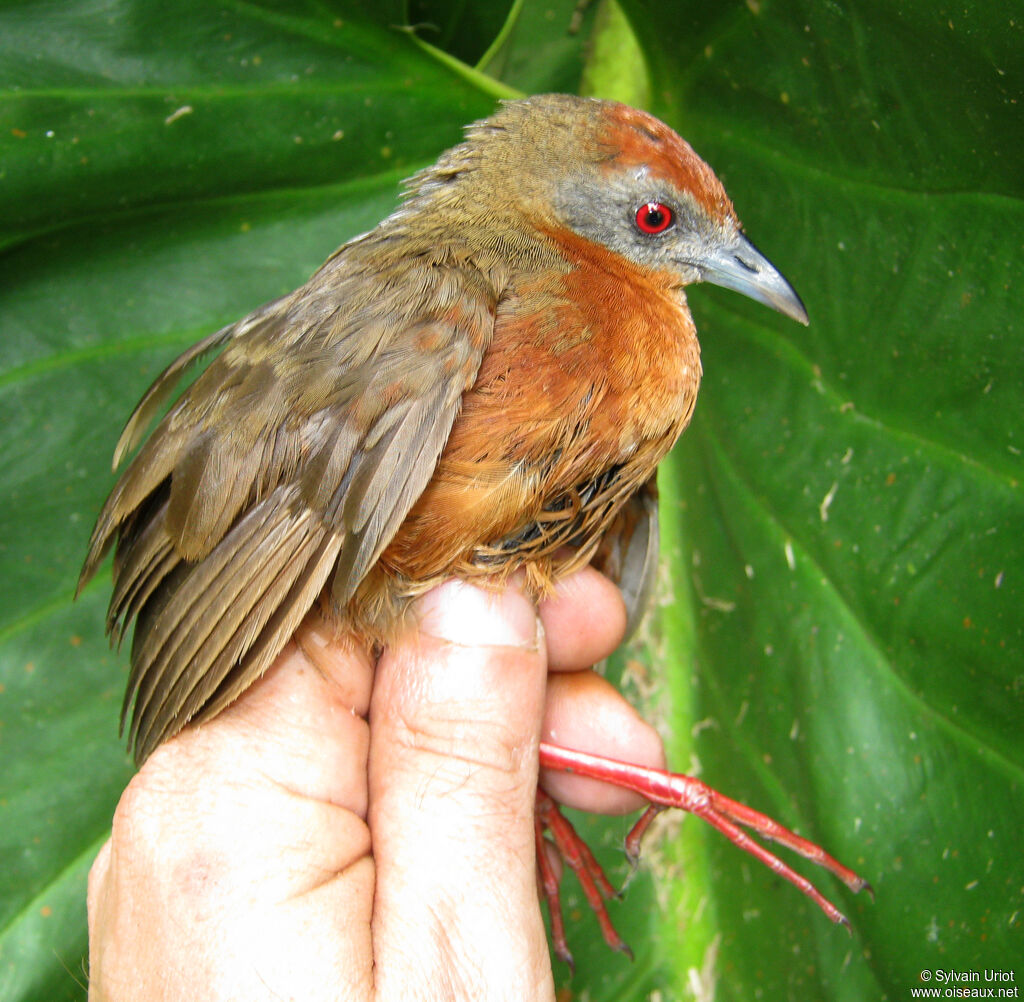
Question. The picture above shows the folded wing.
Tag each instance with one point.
(295, 455)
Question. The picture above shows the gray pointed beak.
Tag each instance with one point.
(738, 265)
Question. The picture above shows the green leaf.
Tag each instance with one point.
(174, 167)
(838, 641)
(847, 505)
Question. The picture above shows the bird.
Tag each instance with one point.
(483, 384)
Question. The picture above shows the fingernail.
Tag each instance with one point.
(464, 614)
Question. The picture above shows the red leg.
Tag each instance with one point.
(667, 789)
(578, 857)
(635, 834)
(547, 880)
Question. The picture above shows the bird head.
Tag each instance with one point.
(614, 175)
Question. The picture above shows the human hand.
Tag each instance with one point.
(241, 864)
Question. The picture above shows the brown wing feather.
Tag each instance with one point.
(260, 596)
(177, 634)
(282, 463)
(145, 556)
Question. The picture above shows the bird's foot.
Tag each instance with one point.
(662, 790)
(575, 853)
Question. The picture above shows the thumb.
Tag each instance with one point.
(454, 727)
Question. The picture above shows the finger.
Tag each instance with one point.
(238, 845)
(303, 725)
(584, 621)
(455, 722)
(587, 713)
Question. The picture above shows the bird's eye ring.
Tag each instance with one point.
(653, 218)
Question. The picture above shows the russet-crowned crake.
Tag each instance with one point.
(483, 383)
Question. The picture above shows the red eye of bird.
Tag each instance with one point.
(653, 218)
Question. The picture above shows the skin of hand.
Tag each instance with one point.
(240, 864)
